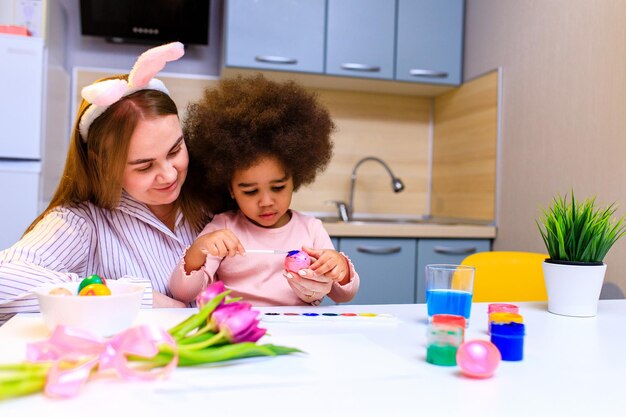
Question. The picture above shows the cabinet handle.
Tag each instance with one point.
(377, 250)
(21, 51)
(271, 59)
(455, 251)
(360, 67)
(427, 73)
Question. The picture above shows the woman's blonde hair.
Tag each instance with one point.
(94, 167)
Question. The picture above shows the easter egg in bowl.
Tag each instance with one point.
(103, 313)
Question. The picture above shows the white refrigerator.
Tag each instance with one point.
(34, 102)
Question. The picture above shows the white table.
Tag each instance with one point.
(572, 367)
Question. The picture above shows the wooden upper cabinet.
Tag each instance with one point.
(430, 41)
(360, 38)
(284, 35)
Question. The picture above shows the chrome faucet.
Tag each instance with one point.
(346, 212)
(342, 210)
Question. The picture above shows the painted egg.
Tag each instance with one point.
(91, 279)
(60, 291)
(95, 289)
(297, 260)
(478, 358)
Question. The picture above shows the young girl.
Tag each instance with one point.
(258, 141)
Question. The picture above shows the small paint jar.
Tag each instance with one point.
(502, 317)
(443, 341)
(509, 339)
(451, 320)
(500, 307)
(507, 308)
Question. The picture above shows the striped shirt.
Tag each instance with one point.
(71, 243)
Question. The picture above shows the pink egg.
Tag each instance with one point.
(478, 358)
(297, 260)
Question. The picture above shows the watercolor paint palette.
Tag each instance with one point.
(315, 317)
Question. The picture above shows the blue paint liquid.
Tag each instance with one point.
(449, 302)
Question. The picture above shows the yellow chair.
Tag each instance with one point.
(507, 276)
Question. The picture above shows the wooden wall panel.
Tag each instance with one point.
(392, 127)
(395, 128)
(465, 151)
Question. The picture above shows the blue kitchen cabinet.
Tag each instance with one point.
(386, 268)
(430, 41)
(281, 35)
(404, 40)
(360, 38)
(444, 251)
(392, 270)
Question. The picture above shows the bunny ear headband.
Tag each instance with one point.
(104, 93)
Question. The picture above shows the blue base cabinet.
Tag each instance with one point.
(444, 251)
(392, 270)
(386, 268)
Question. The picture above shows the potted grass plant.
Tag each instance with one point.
(577, 235)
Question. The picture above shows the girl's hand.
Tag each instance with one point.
(219, 243)
(308, 286)
(329, 263)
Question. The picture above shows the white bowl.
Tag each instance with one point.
(103, 315)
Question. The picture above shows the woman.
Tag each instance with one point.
(120, 210)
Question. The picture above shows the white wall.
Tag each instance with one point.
(6, 12)
(564, 107)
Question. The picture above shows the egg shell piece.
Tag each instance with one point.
(60, 291)
(478, 358)
(297, 260)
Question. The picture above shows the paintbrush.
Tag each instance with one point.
(271, 251)
(265, 251)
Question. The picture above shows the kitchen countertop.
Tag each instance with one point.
(411, 230)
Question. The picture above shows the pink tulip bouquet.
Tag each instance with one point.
(222, 330)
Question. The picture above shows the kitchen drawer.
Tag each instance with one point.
(386, 268)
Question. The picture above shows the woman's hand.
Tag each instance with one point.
(163, 301)
(219, 243)
(308, 285)
(330, 263)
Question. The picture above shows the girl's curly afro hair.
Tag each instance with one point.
(245, 119)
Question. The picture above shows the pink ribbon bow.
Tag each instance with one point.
(68, 344)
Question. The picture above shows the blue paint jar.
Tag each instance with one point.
(509, 339)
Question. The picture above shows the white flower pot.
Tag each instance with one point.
(573, 290)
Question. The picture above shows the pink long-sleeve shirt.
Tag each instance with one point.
(258, 278)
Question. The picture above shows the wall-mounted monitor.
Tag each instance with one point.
(147, 21)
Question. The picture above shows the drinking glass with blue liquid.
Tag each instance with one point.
(449, 289)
